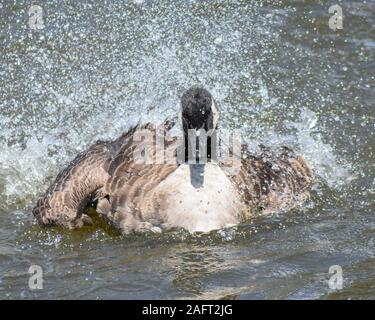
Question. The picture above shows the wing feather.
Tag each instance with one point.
(106, 168)
(66, 198)
(273, 180)
(130, 181)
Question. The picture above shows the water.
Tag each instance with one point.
(277, 72)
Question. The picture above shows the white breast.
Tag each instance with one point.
(197, 202)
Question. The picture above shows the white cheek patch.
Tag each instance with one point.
(180, 118)
(215, 113)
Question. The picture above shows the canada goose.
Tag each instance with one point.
(136, 196)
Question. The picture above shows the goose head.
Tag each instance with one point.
(198, 110)
(198, 114)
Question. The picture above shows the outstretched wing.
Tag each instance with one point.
(273, 180)
(77, 184)
(66, 198)
(84, 178)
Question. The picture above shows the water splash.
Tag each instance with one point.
(310, 143)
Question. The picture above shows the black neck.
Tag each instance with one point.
(203, 149)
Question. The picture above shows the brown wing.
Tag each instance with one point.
(132, 179)
(66, 198)
(74, 186)
(272, 181)
(85, 177)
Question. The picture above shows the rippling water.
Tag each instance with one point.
(277, 72)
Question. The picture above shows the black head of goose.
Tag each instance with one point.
(176, 192)
(198, 114)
